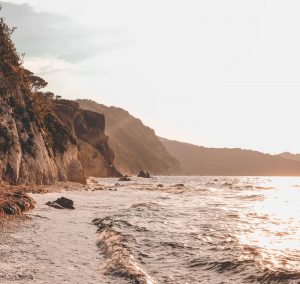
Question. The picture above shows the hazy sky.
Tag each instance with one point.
(213, 73)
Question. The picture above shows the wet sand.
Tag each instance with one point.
(60, 246)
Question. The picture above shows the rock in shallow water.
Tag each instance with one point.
(143, 174)
(126, 178)
(61, 203)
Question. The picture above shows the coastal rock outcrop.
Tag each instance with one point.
(144, 174)
(61, 203)
(35, 146)
(65, 202)
(14, 203)
(95, 154)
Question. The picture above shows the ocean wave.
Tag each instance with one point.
(244, 268)
(253, 197)
(244, 186)
(119, 261)
(220, 266)
(264, 187)
(194, 236)
(270, 276)
(146, 205)
(173, 245)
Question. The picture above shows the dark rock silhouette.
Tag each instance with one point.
(144, 174)
(65, 202)
(61, 203)
(8, 209)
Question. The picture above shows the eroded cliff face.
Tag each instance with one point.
(88, 127)
(33, 151)
(35, 146)
(136, 146)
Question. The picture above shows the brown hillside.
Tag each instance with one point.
(196, 160)
(135, 145)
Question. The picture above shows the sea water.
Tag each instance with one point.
(160, 230)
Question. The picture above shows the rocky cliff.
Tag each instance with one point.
(95, 154)
(35, 146)
(136, 146)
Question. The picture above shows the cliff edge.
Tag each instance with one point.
(35, 146)
(136, 146)
(95, 154)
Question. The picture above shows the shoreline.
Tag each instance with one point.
(15, 200)
(137, 233)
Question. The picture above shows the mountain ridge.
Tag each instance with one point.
(199, 160)
(290, 156)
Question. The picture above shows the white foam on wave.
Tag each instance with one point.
(120, 262)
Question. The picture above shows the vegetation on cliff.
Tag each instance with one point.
(38, 143)
(35, 107)
(35, 145)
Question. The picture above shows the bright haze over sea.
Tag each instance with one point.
(213, 73)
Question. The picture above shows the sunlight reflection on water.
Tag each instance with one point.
(272, 225)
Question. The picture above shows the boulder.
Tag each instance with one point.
(65, 202)
(144, 174)
(8, 210)
(61, 203)
(160, 185)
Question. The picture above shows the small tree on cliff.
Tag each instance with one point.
(36, 83)
(10, 62)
